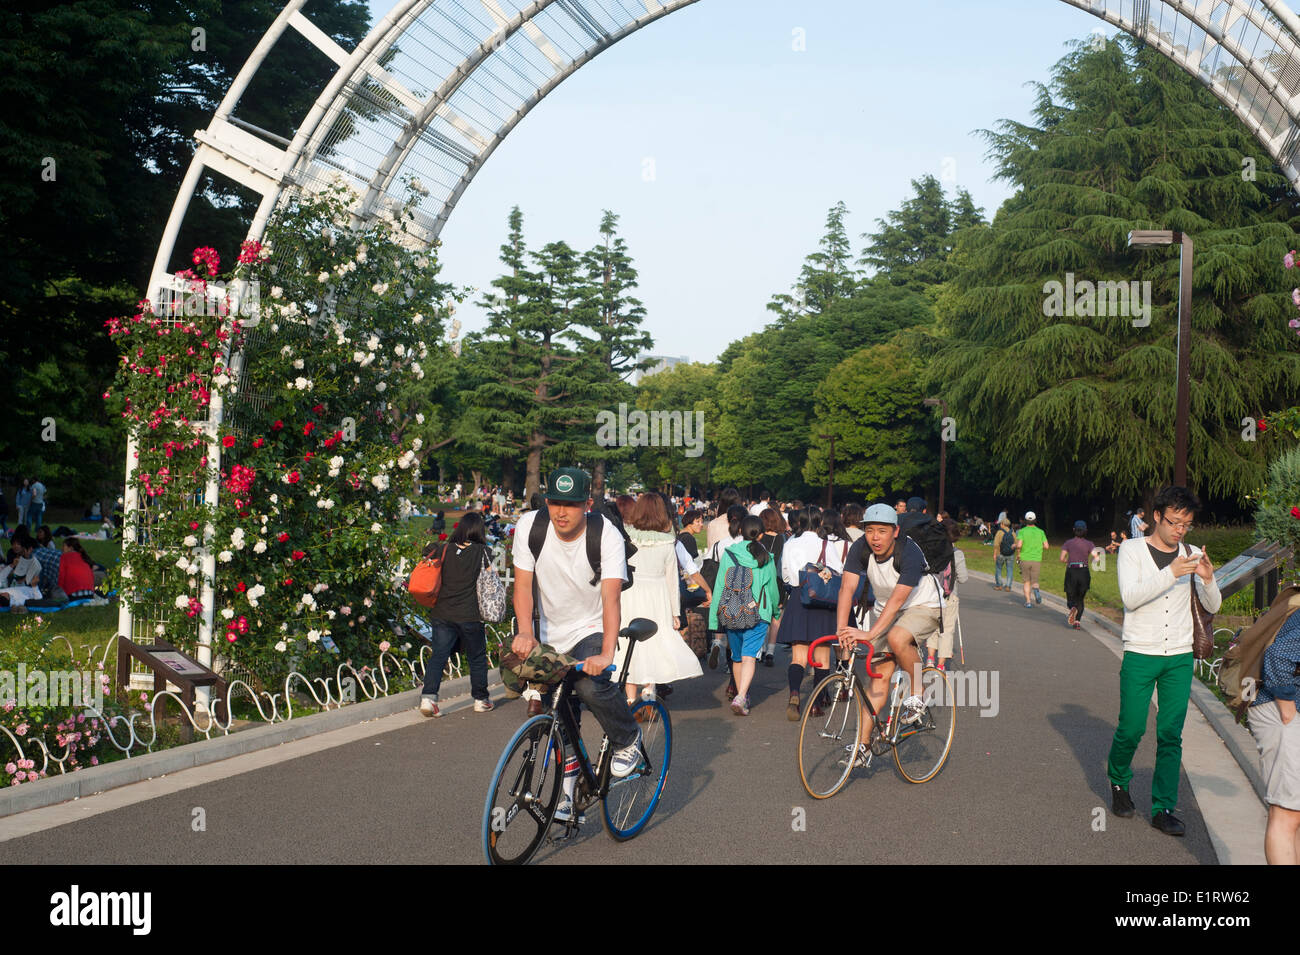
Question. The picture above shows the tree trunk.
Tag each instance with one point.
(508, 475)
(533, 475)
(478, 481)
(598, 480)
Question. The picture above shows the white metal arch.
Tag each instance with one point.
(445, 81)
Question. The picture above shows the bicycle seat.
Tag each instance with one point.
(639, 629)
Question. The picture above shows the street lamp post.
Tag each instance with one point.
(943, 445)
(830, 485)
(1158, 238)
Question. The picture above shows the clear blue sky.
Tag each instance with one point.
(752, 141)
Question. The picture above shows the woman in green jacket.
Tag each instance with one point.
(744, 613)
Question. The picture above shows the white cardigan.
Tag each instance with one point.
(1158, 607)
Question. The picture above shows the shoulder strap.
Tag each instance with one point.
(595, 526)
(844, 554)
(537, 533)
(821, 558)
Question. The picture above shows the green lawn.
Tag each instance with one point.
(1222, 544)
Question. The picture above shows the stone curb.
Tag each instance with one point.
(95, 779)
(1238, 739)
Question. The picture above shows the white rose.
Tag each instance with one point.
(419, 418)
(379, 288)
(227, 613)
(225, 556)
(375, 528)
(191, 541)
(276, 291)
(297, 363)
(382, 386)
(160, 629)
(183, 601)
(281, 646)
(221, 381)
(313, 636)
(358, 356)
(182, 563)
(275, 499)
(259, 547)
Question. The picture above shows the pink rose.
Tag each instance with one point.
(10, 768)
(22, 729)
(383, 646)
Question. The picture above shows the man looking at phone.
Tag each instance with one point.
(1156, 574)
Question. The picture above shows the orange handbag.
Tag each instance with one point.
(426, 580)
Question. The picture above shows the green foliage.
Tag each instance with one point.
(871, 403)
(913, 243)
(306, 530)
(1274, 520)
(1083, 403)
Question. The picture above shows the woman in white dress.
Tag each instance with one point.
(655, 595)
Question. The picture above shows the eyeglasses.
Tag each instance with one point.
(1181, 527)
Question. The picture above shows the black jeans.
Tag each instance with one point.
(603, 697)
(472, 638)
(1077, 582)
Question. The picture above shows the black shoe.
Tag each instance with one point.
(664, 690)
(768, 660)
(1121, 803)
(1168, 823)
(715, 651)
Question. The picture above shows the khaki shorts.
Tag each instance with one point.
(920, 622)
(1279, 750)
(1029, 571)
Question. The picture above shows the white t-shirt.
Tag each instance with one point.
(571, 608)
(759, 508)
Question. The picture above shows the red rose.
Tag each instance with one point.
(282, 536)
(1263, 425)
(442, 537)
(317, 409)
(278, 425)
(1295, 512)
(299, 554)
(258, 443)
(294, 477)
(309, 455)
(228, 441)
(241, 587)
(308, 428)
(288, 581)
(194, 525)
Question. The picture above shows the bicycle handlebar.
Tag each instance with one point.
(865, 654)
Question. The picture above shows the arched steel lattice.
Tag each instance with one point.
(442, 82)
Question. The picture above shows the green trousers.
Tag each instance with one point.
(1171, 678)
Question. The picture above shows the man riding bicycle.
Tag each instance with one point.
(907, 608)
(580, 611)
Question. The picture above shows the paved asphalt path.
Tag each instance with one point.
(1019, 787)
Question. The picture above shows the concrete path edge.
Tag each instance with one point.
(1238, 740)
(96, 779)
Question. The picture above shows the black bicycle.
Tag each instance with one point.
(526, 787)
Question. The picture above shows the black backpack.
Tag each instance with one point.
(1008, 545)
(595, 527)
(932, 538)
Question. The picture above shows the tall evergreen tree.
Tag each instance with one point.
(912, 243)
(1072, 401)
(620, 340)
(827, 274)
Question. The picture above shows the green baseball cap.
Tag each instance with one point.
(571, 485)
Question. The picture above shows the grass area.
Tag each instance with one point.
(1222, 544)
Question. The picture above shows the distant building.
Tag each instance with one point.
(660, 363)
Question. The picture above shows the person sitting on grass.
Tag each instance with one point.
(76, 573)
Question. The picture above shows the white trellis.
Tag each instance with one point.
(482, 65)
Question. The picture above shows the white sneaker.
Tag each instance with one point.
(913, 708)
(484, 706)
(429, 706)
(863, 758)
(564, 812)
(627, 759)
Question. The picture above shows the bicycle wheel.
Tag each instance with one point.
(524, 793)
(923, 747)
(828, 743)
(631, 801)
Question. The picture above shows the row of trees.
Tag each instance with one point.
(1046, 403)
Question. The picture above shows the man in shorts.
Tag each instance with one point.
(1029, 546)
(578, 617)
(908, 602)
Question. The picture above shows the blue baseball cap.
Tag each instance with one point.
(1080, 525)
(880, 514)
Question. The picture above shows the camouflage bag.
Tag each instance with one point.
(544, 665)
